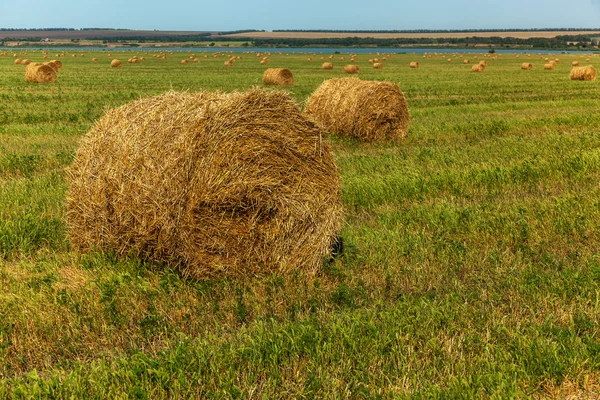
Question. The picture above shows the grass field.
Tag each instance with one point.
(471, 267)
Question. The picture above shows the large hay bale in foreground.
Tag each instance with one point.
(587, 73)
(367, 110)
(278, 76)
(351, 69)
(116, 63)
(217, 184)
(41, 73)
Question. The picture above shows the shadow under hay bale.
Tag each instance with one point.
(587, 73)
(366, 110)
(278, 76)
(217, 184)
(41, 73)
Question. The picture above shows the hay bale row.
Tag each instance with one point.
(217, 184)
(587, 73)
(278, 76)
(366, 110)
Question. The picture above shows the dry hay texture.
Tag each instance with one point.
(327, 65)
(549, 66)
(278, 76)
(527, 66)
(40, 73)
(587, 73)
(377, 65)
(216, 184)
(414, 64)
(478, 68)
(575, 63)
(351, 69)
(116, 63)
(367, 110)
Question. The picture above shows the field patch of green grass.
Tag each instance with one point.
(470, 270)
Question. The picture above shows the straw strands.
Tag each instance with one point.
(216, 184)
(367, 110)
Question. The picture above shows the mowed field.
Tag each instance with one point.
(471, 266)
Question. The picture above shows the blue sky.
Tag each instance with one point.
(305, 14)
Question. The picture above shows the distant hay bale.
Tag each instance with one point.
(216, 184)
(549, 66)
(327, 65)
(465, 61)
(184, 62)
(26, 62)
(377, 65)
(575, 63)
(94, 59)
(18, 61)
(449, 60)
(264, 61)
(278, 76)
(228, 63)
(478, 68)
(351, 69)
(116, 63)
(309, 59)
(527, 66)
(587, 73)
(483, 62)
(367, 110)
(41, 73)
(414, 64)
(134, 60)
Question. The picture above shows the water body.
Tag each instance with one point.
(310, 50)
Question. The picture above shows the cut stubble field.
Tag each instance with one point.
(470, 268)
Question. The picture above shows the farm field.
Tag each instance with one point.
(470, 270)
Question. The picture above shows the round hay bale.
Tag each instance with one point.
(41, 73)
(216, 184)
(58, 63)
(116, 63)
(465, 61)
(575, 63)
(527, 66)
(18, 61)
(377, 65)
(549, 66)
(414, 64)
(184, 62)
(483, 62)
(94, 59)
(26, 62)
(478, 68)
(367, 110)
(587, 73)
(351, 69)
(264, 61)
(327, 65)
(52, 64)
(278, 76)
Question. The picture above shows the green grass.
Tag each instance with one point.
(471, 266)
